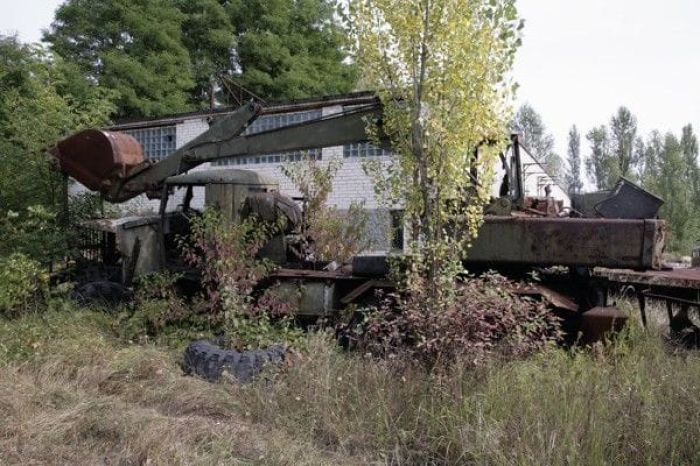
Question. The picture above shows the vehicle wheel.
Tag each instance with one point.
(208, 361)
(100, 292)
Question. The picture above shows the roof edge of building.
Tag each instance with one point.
(351, 98)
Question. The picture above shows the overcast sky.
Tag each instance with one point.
(581, 59)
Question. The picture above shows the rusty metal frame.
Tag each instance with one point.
(532, 241)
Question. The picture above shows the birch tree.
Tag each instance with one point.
(441, 68)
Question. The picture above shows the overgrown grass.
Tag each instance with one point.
(72, 393)
(630, 403)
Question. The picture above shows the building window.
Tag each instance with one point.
(157, 143)
(269, 122)
(363, 149)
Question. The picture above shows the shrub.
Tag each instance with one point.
(161, 315)
(160, 285)
(338, 236)
(227, 256)
(34, 232)
(329, 235)
(86, 206)
(483, 319)
(22, 284)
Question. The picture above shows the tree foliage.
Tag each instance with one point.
(616, 150)
(133, 47)
(290, 48)
(535, 137)
(39, 104)
(573, 178)
(623, 132)
(599, 164)
(441, 68)
(671, 171)
(166, 56)
(209, 36)
(664, 164)
(689, 146)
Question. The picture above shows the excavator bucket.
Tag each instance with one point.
(98, 159)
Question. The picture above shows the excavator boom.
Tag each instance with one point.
(113, 163)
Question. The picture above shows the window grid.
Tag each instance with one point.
(157, 143)
(363, 149)
(268, 122)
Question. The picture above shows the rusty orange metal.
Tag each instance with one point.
(98, 159)
(601, 321)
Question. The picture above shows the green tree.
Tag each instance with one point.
(668, 171)
(209, 36)
(672, 187)
(600, 161)
(33, 116)
(573, 178)
(290, 48)
(623, 133)
(441, 67)
(131, 46)
(652, 151)
(537, 139)
(689, 146)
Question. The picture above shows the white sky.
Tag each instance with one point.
(27, 17)
(580, 60)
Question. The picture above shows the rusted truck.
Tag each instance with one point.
(518, 234)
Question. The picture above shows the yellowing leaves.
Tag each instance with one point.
(441, 69)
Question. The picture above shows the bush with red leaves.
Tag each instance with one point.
(482, 320)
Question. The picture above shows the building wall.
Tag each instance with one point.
(350, 185)
(535, 179)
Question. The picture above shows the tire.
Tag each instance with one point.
(208, 361)
(101, 292)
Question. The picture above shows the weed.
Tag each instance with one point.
(631, 402)
(73, 393)
(483, 319)
(23, 284)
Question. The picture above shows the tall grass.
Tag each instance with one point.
(71, 393)
(632, 402)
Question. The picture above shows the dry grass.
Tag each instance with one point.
(83, 398)
(631, 403)
(70, 393)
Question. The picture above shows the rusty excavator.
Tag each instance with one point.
(519, 234)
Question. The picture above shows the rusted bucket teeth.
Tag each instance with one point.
(98, 159)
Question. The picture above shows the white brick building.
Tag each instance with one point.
(159, 137)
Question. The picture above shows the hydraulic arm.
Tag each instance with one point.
(113, 163)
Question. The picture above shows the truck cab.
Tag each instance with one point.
(139, 245)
